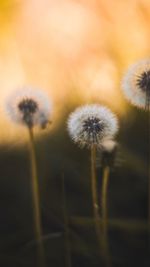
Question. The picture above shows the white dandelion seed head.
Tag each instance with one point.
(90, 124)
(136, 84)
(109, 145)
(108, 153)
(30, 107)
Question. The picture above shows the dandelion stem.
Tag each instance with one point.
(148, 162)
(36, 201)
(66, 225)
(105, 179)
(94, 194)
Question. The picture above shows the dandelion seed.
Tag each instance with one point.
(90, 124)
(136, 84)
(29, 107)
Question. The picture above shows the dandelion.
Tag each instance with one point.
(89, 126)
(30, 108)
(136, 84)
(108, 152)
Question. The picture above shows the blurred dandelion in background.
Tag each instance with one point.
(136, 84)
(108, 153)
(108, 157)
(30, 107)
(136, 87)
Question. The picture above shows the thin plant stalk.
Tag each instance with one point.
(36, 201)
(149, 169)
(104, 210)
(148, 145)
(148, 162)
(66, 225)
(95, 194)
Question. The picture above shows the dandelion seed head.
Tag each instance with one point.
(143, 81)
(109, 145)
(136, 84)
(90, 124)
(29, 107)
(108, 153)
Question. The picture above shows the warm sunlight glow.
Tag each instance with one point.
(57, 45)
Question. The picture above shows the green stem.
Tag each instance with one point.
(105, 215)
(66, 224)
(36, 201)
(95, 195)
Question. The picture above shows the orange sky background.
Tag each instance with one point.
(77, 51)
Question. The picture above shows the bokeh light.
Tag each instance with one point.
(75, 50)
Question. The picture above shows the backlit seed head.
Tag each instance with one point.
(108, 153)
(136, 84)
(90, 124)
(29, 107)
(109, 145)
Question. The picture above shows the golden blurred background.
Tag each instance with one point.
(76, 50)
